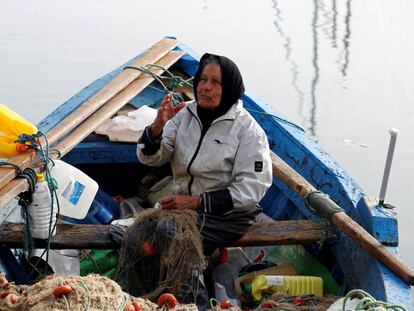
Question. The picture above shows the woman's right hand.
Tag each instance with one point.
(164, 113)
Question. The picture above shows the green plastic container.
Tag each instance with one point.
(104, 262)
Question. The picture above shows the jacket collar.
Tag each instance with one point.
(231, 114)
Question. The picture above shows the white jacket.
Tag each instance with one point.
(233, 154)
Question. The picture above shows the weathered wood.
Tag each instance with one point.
(290, 177)
(116, 103)
(98, 236)
(118, 83)
(286, 232)
(342, 221)
(11, 190)
(7, 173)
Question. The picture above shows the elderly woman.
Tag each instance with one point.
(219, 154)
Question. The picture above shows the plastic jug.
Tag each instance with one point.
(223, 277)
(290, 284)
(76, 190)
(41, 211)
(304, 263)
(11, 126)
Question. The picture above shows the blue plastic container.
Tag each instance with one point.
(103, 210)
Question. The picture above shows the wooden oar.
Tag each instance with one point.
(16, 186)
(118, 83)
(116, 103)
(328, 209)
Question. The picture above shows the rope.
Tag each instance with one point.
(178, 81)
(174, 81)
(369, 303)
(33, 142)
(26, 198)
(278, 118)
(16, 167)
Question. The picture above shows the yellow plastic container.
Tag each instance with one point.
(11, 126)
(292, 285)
(8, 147)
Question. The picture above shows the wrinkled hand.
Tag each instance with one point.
(164, 113)
(180, 201)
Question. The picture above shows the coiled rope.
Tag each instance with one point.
(33, 142)
(369, 303)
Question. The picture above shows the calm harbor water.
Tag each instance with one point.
(343, 70)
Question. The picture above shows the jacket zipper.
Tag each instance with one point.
(203, 133)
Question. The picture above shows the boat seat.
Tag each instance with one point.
(71, 236)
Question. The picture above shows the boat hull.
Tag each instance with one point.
(353, 267)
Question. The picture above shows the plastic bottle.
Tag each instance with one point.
(223, 277)
(41, 211)
(304, 263)
(76, 190)
(292, 285)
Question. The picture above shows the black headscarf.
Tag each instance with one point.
(232, 88)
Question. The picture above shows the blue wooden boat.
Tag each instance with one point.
(350, 264)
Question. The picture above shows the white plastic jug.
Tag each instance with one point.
(41, 211)
(76, 190)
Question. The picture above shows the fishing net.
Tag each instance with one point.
(162, 251)
(93, 293)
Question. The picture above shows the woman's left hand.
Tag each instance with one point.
(180, 201)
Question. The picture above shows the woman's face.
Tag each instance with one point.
(209, 88)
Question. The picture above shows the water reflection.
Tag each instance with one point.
(328, 24)
(288, 50)
(334, 23)
(346, 39)
(324, 24)
(315, 79)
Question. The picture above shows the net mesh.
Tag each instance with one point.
(161, 251)
(92, 292)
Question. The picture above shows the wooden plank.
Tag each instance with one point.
(11, 190)
(288, 232)
(98, 237)
(7, 173)
(153, 54)
(102, 152)
(116, 103)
